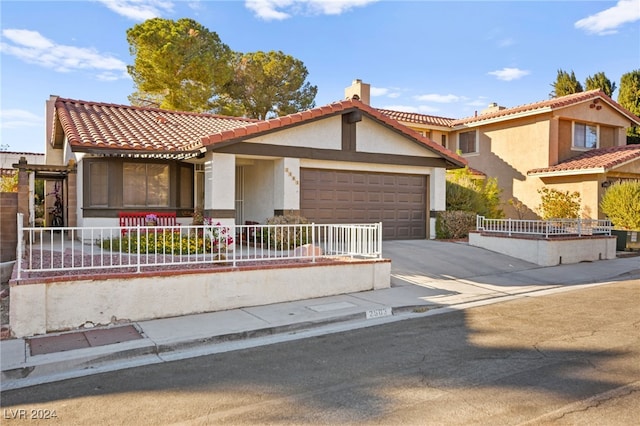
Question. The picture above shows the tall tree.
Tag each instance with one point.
(266, 84)
(178, 65)
(600, 81)
(629, 97)
(565, 84)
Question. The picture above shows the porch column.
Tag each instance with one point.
(437, 198)
(23, 191)
(287, 186)
(219, 187)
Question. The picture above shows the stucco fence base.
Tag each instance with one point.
(66, 304)
(548, 251)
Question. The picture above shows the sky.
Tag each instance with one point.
(443, 58)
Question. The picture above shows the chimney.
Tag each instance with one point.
(493, 107)
(358, 90)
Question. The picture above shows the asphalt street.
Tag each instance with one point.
(564, 358)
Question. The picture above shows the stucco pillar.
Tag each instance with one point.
(220, 186)
(286, 186)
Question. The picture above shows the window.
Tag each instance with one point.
(585, 135)
(145, 184)
(99, 183)
(467, 142)
(444, 140)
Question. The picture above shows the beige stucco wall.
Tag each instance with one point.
(372, 137)
(39, 308)
(548, 252)
(507, 151)
(588, 186)
(326, 133)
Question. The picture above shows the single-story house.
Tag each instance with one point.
(575, 142)
(341, 163)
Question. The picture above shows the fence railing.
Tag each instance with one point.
(547, 228)
(57, 251)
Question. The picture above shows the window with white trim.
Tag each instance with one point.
(467, 142)
(585, 135)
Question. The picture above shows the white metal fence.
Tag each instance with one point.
(547, 228)
(68, 250)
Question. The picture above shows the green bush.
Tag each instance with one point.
(286, 238)
(557, 204)
(465, 193)
(621, 204)
(455, 224)
(161, 242)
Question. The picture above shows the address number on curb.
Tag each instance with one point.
(379, 313)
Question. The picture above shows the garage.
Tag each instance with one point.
(399, 201)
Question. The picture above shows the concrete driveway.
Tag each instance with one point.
(447, 273)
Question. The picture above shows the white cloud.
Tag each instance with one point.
(139, 10)
(443, 99)
(608, 20)
(17, 118)
(506, 42)
(508, 74)
(32, 47)
(283, 9)
(379, 91)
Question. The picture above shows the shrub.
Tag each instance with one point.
(286, 237)
(557, 204)
(9, 183)
(621, 204)
(455, 224)
(481, 196)
(162, 242)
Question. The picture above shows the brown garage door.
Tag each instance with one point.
(335, 196)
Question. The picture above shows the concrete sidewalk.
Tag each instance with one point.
(418, 289)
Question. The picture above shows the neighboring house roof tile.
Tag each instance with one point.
(506, 113)
(550, 104)
(120, 127)
(602, 158)
(413, 117)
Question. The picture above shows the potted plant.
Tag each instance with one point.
(151, 219)
(621, 204)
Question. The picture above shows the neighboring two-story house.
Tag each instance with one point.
(570, 143)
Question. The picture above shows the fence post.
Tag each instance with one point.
(313, 242)
(139, 248)
(509, 226)
(19, 248)
(579, 227)
(238, 236)
(379, 240)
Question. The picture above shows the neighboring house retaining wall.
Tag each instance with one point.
(65, 303)
(8, 226)
(548, 251)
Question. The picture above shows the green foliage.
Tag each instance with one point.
(481, 196)
(621, 204)
(629, 97)
(9, 183)
(286, 237)
(267, 83)
(565, 84)
(557, 204)
(178, 65)
(600, 81)
(160, 242)
(455, 224)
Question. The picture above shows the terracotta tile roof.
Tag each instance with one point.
(260, 127)
(412, 117)
(100, 126)
(602, 158)
(550, 104)
(91, 125)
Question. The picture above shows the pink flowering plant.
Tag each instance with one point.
(219, 235)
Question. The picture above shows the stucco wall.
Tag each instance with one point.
(548, 252)
(38, 308)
